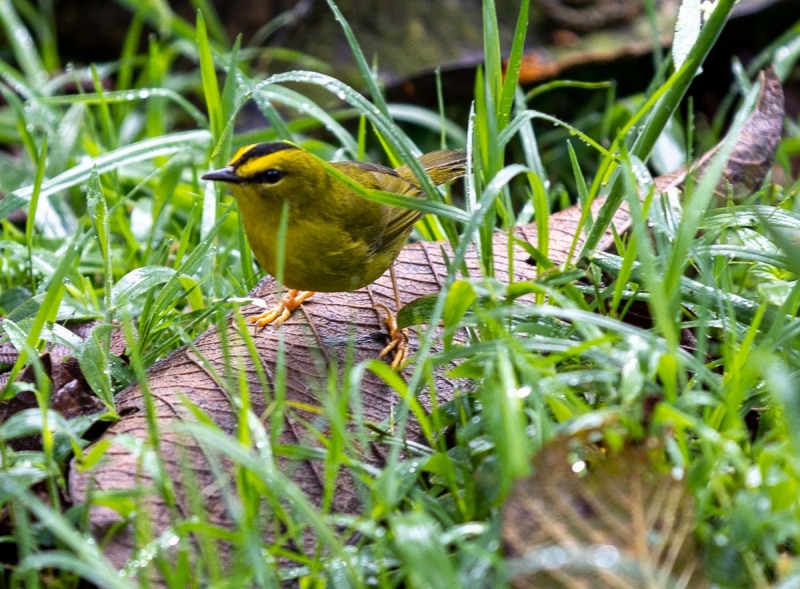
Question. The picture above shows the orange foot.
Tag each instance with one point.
(398, 337)
(280, 312)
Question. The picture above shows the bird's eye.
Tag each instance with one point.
(271, 176)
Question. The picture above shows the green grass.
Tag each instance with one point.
(120, 230)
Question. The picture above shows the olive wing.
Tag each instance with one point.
(396, 222)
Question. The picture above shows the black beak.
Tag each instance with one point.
(226, 174)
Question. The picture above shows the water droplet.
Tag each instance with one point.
(606, 556)
(553, 557)
(753, 477)
(519, 393)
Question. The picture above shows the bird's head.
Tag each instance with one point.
(273, 172)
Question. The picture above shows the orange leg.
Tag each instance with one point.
(280, 312)
(398, 337)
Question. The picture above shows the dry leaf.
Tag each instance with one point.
(590, 517)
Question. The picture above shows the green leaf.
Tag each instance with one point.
(141, 281)
(208, 75)
(85, 555)
(417, 311)
(514, 65)
(23, 45)
(127, 97)
(687, 29)
(144, 150)
(661, 107)
(417, 540)
(361, 61)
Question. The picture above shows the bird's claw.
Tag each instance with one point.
(398, 340)
(292, 299)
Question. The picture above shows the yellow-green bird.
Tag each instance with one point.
(336, 240)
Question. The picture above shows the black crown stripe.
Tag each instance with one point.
(261, 150)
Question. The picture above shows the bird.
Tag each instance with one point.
(335, 239)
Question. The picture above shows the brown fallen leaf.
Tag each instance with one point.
(327, 330)
(71, 396)
(595, 517)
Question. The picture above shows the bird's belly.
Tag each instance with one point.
(330, 271)
(327, 261)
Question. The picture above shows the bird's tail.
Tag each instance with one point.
(443, 165)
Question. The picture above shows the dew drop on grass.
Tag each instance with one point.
(520, 392)
(553, 557)
(23, 38)
(606, 556)
(171, 540)
(753, 478)
(578, 466)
